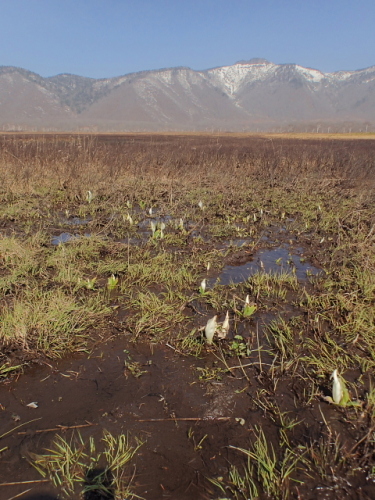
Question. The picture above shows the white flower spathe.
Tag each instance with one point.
(224, 330)
(337, 387)
(210, 329)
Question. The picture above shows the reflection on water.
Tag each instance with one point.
(276, 260)
(65, 237)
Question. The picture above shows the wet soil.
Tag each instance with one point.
(163, 407)
(159, 407)
(191, 413)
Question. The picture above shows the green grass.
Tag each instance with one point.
(51, 322)
(156, 316)
(264, 471)
(76, 464)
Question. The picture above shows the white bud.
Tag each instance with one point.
(337, 387)
(224, 330)
(89, 196)
(210, 329)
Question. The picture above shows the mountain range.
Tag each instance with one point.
(247, 96)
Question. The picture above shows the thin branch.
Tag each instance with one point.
(184, 419)
(18, 426)
(20, 494)
(25, 482)
(59, 428)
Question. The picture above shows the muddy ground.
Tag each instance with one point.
(194, 413)
(188, 426)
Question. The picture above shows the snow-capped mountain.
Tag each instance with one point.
(248, 95)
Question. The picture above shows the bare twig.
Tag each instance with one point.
(176, 350)
(184, 419)
(59, 428)
(19, 494)
(25, 482)
(260, 356)
(18, 426)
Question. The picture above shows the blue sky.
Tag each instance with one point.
(105, 38)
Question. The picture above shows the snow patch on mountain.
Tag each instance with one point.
(340, 75)
(164, 76)
(230, 78)
(312, 75)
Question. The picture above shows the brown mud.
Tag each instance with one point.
(161, 407)
(189, 426)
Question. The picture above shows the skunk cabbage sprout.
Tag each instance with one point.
(249, 308)
(223, 331)
(340, 394)
(337, 389)
(112, 282)
(157, 229)
(202, 288)
(89, 196)
(90, 284)
(210, 329)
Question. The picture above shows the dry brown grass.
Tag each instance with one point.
(110, 163)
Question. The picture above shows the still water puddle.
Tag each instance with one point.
(65, 237)
(276, 260)
(77, 221)
(72, 220)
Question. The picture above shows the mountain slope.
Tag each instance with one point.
(245, 96)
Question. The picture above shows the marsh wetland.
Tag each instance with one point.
(117, 253)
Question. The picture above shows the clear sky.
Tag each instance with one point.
(105, 38)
